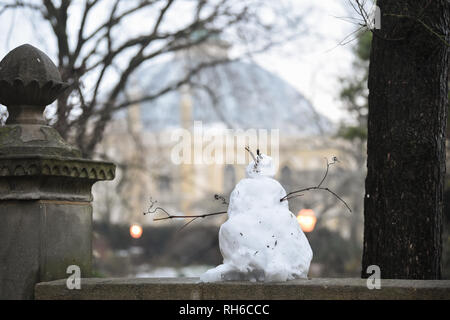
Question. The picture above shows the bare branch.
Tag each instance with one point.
(251, 153)
(17, 5)
(222, 198)
(299, 193)
(193, 216)
(153, 209)
(335, 159)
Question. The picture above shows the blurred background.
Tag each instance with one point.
(297, 66)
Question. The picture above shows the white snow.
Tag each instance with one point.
(261, 240)
(3, 115)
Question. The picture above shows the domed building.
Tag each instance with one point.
(236, 94)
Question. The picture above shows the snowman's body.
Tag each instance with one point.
(261, 240)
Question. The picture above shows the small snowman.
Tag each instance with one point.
(261, 240)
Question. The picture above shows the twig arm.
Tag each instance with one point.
(191, 217)
(299, 193)
(154, 209)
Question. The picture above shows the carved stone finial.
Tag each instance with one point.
(29, 81)
(35, 161)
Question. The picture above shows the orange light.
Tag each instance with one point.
(136, 231)
(307, 220)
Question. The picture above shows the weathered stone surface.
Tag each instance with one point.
(45, 185)
(39, 240)
(34, 140)
(50, 178)
(29, 77)
(191, 289)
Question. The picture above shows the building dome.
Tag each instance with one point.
(240, 95)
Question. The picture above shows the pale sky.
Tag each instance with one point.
(315, 66)
(312, 64)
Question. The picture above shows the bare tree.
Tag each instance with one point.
(102, 56)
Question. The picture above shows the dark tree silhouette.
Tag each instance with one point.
(406, 139)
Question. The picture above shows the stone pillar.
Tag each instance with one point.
(45, 184)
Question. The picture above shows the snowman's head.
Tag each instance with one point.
(262, 167)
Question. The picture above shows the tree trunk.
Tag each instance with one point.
(406, 139)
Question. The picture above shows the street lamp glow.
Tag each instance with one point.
(136, 231)
(307, 220)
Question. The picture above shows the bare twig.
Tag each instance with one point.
(187, 224)
(170, 217)
(153, 209)
(218, 197)
(366, 23)
(251, 153)
(335, 159)
(256, 159)
(299, 193)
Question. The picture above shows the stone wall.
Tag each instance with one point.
(191, 289)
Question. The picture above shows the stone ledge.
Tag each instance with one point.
(191, 289)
